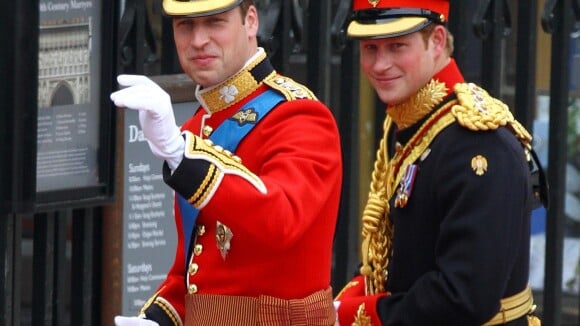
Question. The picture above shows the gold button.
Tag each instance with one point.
(197, 249)
(200, 230)
(193, 267)
(192, 289)
(207, 130)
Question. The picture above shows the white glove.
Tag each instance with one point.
(336, 306)
(133, 321)
(155, 115)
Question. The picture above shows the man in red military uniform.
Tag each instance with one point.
(446, 230)
(257, 176)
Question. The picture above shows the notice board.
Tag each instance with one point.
(149, 235)
(74, 159)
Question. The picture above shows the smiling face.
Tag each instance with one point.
(213, 48)
(398, 67)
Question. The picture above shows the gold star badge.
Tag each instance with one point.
(479, 165)
(223, 236)
(374, 3)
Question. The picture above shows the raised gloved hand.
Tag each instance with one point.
(133, 321)
(155, 115)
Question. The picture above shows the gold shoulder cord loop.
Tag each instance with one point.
(376, 228)
(477, 110)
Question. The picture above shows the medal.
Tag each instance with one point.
(406, 186)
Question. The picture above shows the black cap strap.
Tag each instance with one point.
(377, 16)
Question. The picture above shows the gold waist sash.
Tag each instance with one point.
(209, 309)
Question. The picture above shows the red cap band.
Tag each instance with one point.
(438, 6)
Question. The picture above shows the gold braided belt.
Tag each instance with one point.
(514, 307)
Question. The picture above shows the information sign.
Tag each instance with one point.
(74, 111)
(149, 235)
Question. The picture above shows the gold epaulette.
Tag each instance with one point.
(476, 110)
(289, 88)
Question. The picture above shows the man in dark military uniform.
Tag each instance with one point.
(446, 230)
(257, 175)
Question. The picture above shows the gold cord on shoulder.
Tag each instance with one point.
(477, 110)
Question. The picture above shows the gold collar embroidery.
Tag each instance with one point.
(234, 89)
(415, 108)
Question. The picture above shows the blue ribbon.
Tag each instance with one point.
(229, 134)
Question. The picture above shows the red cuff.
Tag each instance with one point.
(361, 310)
(354, 288)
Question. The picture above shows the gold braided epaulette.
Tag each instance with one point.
(289, 88)
(476, 110)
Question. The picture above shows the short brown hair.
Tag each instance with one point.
(426, 32)
(245, 5)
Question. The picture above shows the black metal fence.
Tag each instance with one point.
(52, 260)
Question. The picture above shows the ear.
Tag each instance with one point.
(438, 39)
(252, 21)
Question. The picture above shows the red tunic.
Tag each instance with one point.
(282, 240)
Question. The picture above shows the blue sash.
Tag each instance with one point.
(229, 134)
